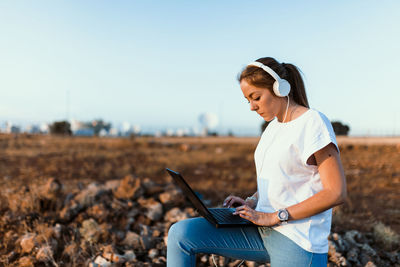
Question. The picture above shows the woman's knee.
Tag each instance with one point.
(183, 229)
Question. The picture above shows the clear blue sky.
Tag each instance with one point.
(160, 64)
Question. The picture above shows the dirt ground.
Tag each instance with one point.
(215, 167)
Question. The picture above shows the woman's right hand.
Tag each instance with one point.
(233, 201)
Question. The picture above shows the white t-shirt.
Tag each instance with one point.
(284, 178)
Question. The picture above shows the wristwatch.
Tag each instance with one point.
(283, 216)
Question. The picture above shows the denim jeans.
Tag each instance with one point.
(259, 244)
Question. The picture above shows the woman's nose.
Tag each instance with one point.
(253, 106)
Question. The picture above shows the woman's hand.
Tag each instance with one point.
(257, 217)
(233, 201)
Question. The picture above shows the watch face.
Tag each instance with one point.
(283, 215)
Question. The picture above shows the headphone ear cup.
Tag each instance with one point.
(281, 88)
(276, 88)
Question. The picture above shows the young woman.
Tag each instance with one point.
(299, 179)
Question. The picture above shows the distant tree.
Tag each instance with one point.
(339, 128)
(60, 128)
(98, 125)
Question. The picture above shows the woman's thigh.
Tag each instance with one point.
(284, 252)
(197, 235)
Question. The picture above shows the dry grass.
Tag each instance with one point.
(214, 166)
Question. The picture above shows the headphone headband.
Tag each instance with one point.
(281, 87)
(266, 69)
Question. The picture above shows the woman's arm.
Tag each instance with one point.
(334, 185)
(332, 194)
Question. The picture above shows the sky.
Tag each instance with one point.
(161, 64)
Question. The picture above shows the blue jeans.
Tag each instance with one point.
(259, 244)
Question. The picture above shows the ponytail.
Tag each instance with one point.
(258, 77)
(298, 90)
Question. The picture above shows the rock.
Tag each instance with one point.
(151, 188)
(364, 258)
(172, 198)
(352, 237)
(25, 262)
(335, 256)
(90, 231)
(175, 215)
(370, 264)
(132, 240)
(88, 196)
(112, 185)
(70, 251)
(57, 229)
(352, 255)
(70, 211)
(45, 254)
(129, 188)
(102, 261)
(368, 250)
(130, 255)
(152, 253)
(99, 212)
(342, 245)
(154, 208)
(114, 257)
(52, 189)
(28, 243)
(12, 256)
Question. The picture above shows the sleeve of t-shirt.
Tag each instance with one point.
(318, 134)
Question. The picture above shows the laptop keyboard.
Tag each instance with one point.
(225, 215)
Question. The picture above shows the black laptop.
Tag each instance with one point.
(220, 217)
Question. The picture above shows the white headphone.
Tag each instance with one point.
(281, 87)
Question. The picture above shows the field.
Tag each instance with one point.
(215, 167)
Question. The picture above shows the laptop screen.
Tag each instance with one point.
(188, 192)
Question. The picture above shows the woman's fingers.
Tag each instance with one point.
(232, 200)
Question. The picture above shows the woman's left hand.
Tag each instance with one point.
(257, 217)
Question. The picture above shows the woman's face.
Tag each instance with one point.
(261, 100)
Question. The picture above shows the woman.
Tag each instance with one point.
(299, 179)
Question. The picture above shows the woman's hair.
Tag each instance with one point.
(260, 78)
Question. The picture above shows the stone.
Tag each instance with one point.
(154, 209)
(172, 197)
(27, 243)
(25, 262)
(114, 257)
(88, 196)
(352, 237)
(70, 211)
(153, 253)
(70, 251)
(370, 264)
(102, 262)
(352, 255)
(112, 185)
(368, 250)
(51, 189)
(44, 254)
(132, 240)
(90, 231)
(130, 255)
(151, 188)
(129, 188)
(175, 215)
(57, 229)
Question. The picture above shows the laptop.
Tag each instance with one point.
(219, 217)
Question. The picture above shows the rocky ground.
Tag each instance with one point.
(124, 221)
